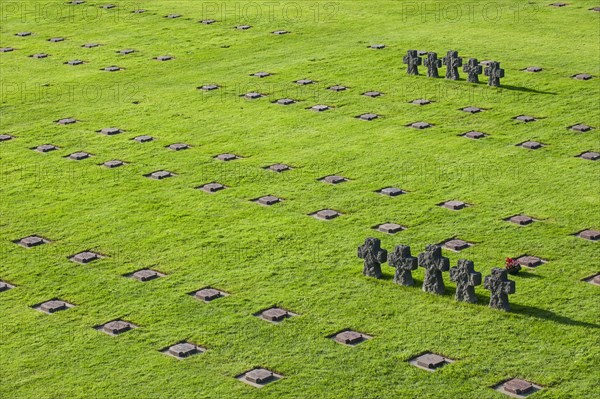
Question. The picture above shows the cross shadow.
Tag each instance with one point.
(525, 89)
(526, 275)
(532, 311)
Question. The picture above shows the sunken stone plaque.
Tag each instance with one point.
(521, 220)
(429, 361)
(368, 117)
(146, 275)
(31, 241)
(278, 167)
(285, 101)
(39, 55)
(160, 175)
(56, 39)
(208, 87)
(372, 94)
(208, 21)
(474, 135)
(420, 125)
(517, 388)
(53, 306)
(280, 32)
(143, 139)
(531, 145)
(591, 235)
(252, 96)
(115, 163)
(5, 137)
(227, 157)
(389, 228)
(85, 257)
(163, 58)
(377, 46)
(326, 214)
(108, 6)
(126, 51)
(350, 337)
(471, 110)
(209, 294)
(337, 88)
(212, 187)
(580, 127)
(183, 350)
(261, 74)
(74, 62)
(90, 45)
(4, 286)
(420, 101)
(23, 34)
(172, 16)
(333, 179)
(46, 148)
(268, 200)
(456, 245)
(305, 82)
(373, 256)
(319, 108)
(534, 69)
(582, 76)
(243, 27)
(453, 205)
(66, 121)
(529, 261)
(590, 155)
(595, 279)
(391, 191)
(259, 377)
(275, 315)
(500, 287)
(434, 264)
(112, 68)
(559, 4)
(110, 131)
(78, 156)
(116, 327)
(6, 49)
(178, 147)
(525, 118)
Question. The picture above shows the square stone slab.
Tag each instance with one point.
(285, 101)
(259, 377)
(349, 337)
(533, 69)
(209, 294)
(163, 58)
(178, 147)
(529, 261)
(596, 9)
(580, 127)
(261, 74)
(590, 155)
(56, 39)
(420, 101)
(208, 87)
(115, 163)
(531, 145)
(274, 314)
(372, 94)
(389, 228)
(160, 174)
(267, 200)
(46, 148)
(456, 245)
(368, 117)
(108, 6)
(595, 279)
(305, 82)
(183, 350)
(53, 306)
(75, 2)
(337, 88)
(525, 118)
(522, 220)
(110, 131)
(319, 108)
(453, 205)
(333, 179)
(85, 257)
(252, 95)
(74, 62)
(31, 241)
(558, 4)
(279, 167)
(471, 110)
(23, 34)
(112, 68)
(66, 121)
(517, 388)
(143, 139)
(420, 125)
(326, 214)
(243, 27)
(208, 21)
(116, 327)
(280, 32)
(139, 11)
(227, 157)
(429, 361)
(377, 46)
(592, 235)
(78, 156)
(391, 191)
(90, 45)
(172, 16)
(39, 55)
(4, 286)
(212, 187)
(474, 135)
(144, 275)
(6, 137)
(126, 51)
(582, 76)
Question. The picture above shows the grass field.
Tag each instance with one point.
(278, 255)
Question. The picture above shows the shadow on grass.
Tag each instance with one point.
(526, 275)
(526, 89)
(544, 314)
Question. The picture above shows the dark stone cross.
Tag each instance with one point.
(432, 62)
(404, 263)
(434, 264)
(500, 286)
(452, 62)
(466, 278)
(373, 256)
(473, 69)
(495, 73)
(412, 61)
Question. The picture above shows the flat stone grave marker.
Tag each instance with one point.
(596, 9)
(580, 127)
(208, 21)
(517, 388)
(372, 94)
(160, 175)
(333, 179)
(377, 46)
(420, 101)
(591, 235)
(559, 4)
(285, 101)
(74, 62)
(39, 55)
(66, 121)
(108, 6)
(23, 34)
(349, 337)
(4, 286)
(474, 135)
(163, 58)
(590, 155)
(45, 148)
(595, 279)
(582, 76)
(31, 241)
(78, 156)
(275, 314)
(209, 87)
(126, 51)
(367, 117)
(227, 157)
(183, 350)
(337, 88)
(326, 214)
(178, 146)
(115, 163)
(212, 187)
(531, 145)
(6, 49)
(453, 205)
(471, 110)
(252, 96)
(389, 228)
(319, 108)
(90, 45)
(267, 200)
(75, 2)
(391, 191)
(6, 137)
(305, 82)
(144, 275)
(530, 261)
(429, 361)
(139, 11)
(112, 68)
(143, 139)
(261, 74)
(420, 125)
(533, 69)
(85, 257)
(56, 39)
(116, 327)
(280, 32)
(172, 16)
(110, 131)
(243, 27)
(521, 220)
(259, 377)
(278, 167)
(456, 244)
(209, 294)
(53, 306)
(525, 118)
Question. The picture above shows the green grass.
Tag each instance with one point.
(278, 255)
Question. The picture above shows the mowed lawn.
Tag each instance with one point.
(278, 255)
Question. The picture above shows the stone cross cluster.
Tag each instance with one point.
(452, 62)
(463, 274)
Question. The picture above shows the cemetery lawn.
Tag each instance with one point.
(278, 255)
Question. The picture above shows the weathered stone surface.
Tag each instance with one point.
(592, 235)
(66, 121)
(275, 314)
(595, 280)
(172, 16)
(466, 278)
(85, 257)
(368, 117)
(227, 157)
(326, 214)
(143, 139)
(432, 63)
(494, 73)
(163, 58)
(90, 45)
(420, 101)
(110, 131)
(126, 51)
(518, 386)
(500, 287)
(349, 337)
(471, 110)
(261, 74)
(56, 39)
(404, 263)
(6, 49)
(108, 6)
(31, 241)
(160, 174)
(209, 87)
(420, 125)
(4, 286)
(333, 179)
(208, 21)
(412, 61)
(53, 306)
(112, 68)
(183, 350)
(243, 27)
(559, 4)
(372, 94)
(285, 101)
(23, 34)
(590, 155)
(145, 275)
(212, 187)
(139, 11)
(259, 376)
(305, 82)
(453, 205)
(39, 55)
(430, 361)
(533, 69)
(279, 167)
(473, 70)
(391, 191)
(373, 256)
(456, 245)
(6, 137)
(117, 327)
(319, 108)
(452, 62)
(582, 76)
(580, 127)
(521, 220)
(115, 163)
(474, 135)
(46, 148)
(178, 147)
(529, 261)
(280, 32)
(268, 200)
(209, 294)
(531, 145)
(78, 156)
(434, 264)
(252, 96)
(337, 88)
(377, 46)
(525, 118)
(74, 62)
(389, 228)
